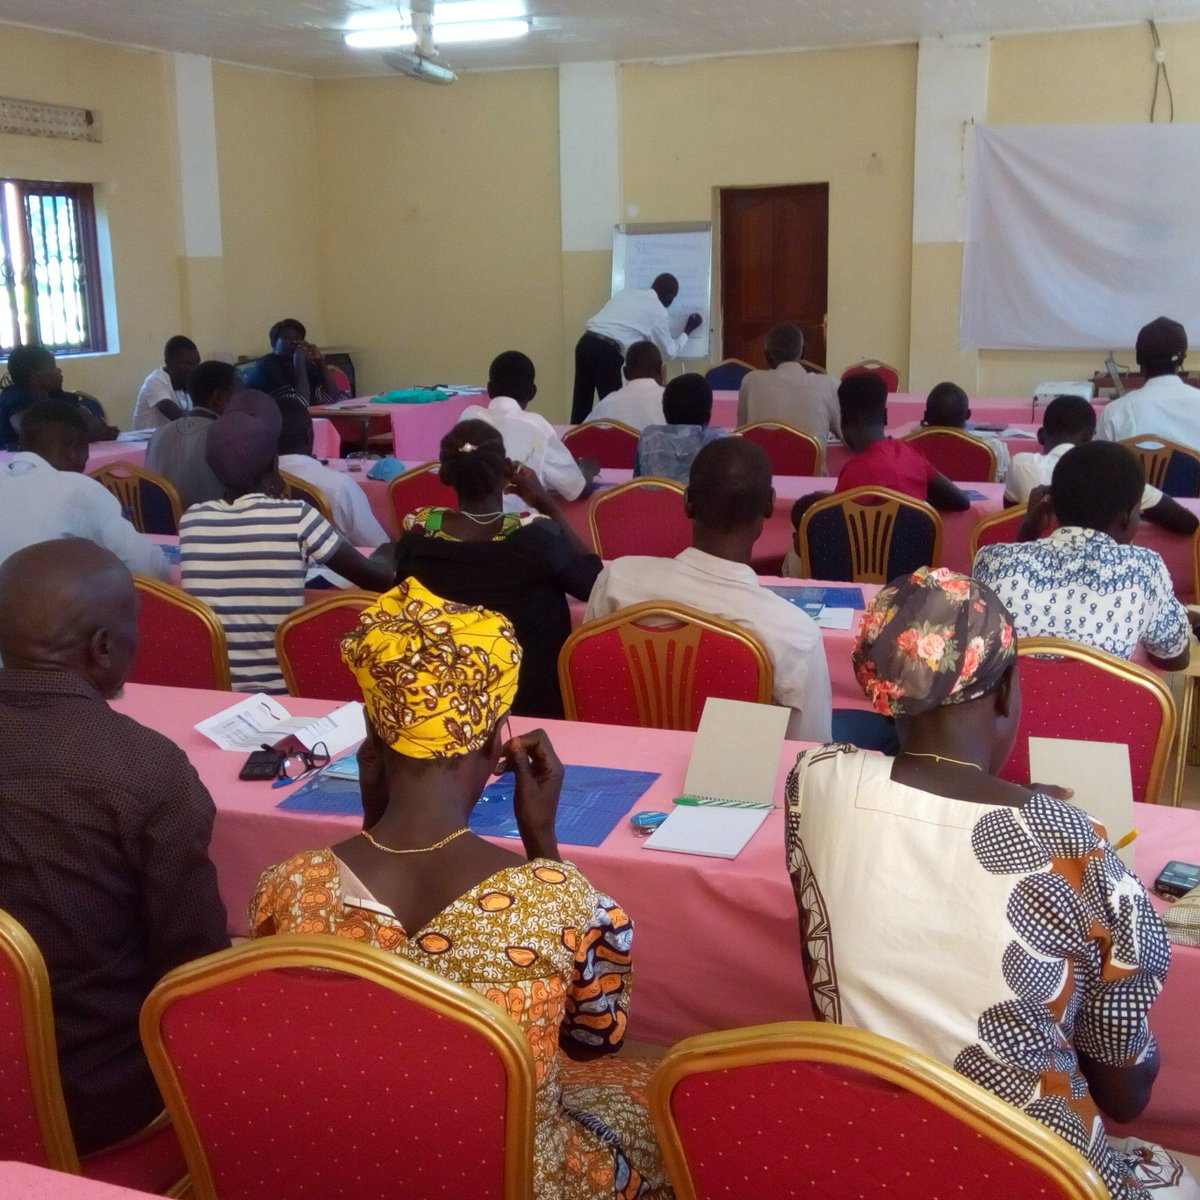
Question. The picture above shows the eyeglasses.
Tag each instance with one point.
(311, 761)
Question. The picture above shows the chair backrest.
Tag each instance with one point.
(181, 643)
(307, 644)
(33, 1115)
(728, 374)
(1069, 690)
(868, 535)
(1168, 466)
(956, 454)
(813, 1109)
(999, 527)
(419, 487)
(654, 664)
(396, 1081)
(643, 516)
(340, 379)
(148, 499)
(887, 373)
(295, 488)
(610, 443)
(791, 450)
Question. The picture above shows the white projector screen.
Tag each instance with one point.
(1077, 235)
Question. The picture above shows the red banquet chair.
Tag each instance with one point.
(181, 643)
(308, 646)
(419, 487)
(999, 527)
(34, 1127)
(958, 455)
(654, 664)
(791, 451)
(888, 374)
(611, 443)
(437, 1102)
(1069, 690)
(643, 516)
(806, 1108)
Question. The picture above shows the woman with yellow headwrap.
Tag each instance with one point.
(530, 933)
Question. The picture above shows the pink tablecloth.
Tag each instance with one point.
(717, 943)
(100, 454)
(20, 1181)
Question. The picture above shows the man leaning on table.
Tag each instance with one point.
(104, 827)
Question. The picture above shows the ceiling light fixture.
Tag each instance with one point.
(455, 23)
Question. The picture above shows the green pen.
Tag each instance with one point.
(714, 802)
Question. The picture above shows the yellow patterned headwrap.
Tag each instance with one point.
(436, 676)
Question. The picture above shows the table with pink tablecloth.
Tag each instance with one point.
(417, 429)
(717, 943)
(101, 454)
(20, 1181)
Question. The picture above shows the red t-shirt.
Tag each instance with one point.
(891, 464)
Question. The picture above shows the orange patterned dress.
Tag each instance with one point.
(541, 942)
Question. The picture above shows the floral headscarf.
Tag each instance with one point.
(436, 676)
(933, 638)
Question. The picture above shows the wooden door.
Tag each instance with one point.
(774, 267)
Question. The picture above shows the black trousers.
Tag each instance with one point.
(597, 369)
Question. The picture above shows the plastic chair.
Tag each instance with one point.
(398, 1082)
(1168, 466)
(728, 374)
(643, 516)
(34, 1127)
(181, 643)
(868, 535)
(307, 645)
(654, 664)
(888, 374)
(419, 487)
(804, 1108)
(295, 488)
(147, 498)
(957, 454)
(610, 443)
(1069, 690)
(791, 450)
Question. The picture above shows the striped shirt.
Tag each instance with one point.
(247, 561)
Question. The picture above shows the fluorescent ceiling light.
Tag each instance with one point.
(444, 14)
(478, 31)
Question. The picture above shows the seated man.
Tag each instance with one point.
(294, 367)
(1085, 581)
(639, 402)
(177, 450)
(729, 496)
(164, 396)
(35, 376)
(529, 438)
(1164, 405)
(667, 451)
(947, 407)
(788, 393)
(44, 493)
(246, 554)
(104, 828)
(1070, 421)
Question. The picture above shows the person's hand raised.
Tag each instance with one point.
(693, 323)
(539, 776)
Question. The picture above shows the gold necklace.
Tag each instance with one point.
(416, 849)
(941, 758)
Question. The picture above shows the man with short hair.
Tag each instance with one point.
(632, 315)
(35, 376)
(295, 367)
(104, 828)
(667, 451)
(45, 494)
(948, 407)
(164, 396)
(788, 393)
(728, 498)
(639, 402)
(1164, 405)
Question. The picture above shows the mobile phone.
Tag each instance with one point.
(1177, 878)
(261, 765)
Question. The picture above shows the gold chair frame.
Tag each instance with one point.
(432, 467)
(1017, 1135)
(325, 952)
(343, 598)
(121, 479)
(293, 483)
(1121, 668)
(218, 643)
(800, 433)
(734, 362)
(869, 530)
(1156, 458)
(916, 436)
(600, 423)
(1005, 514)
(812, 367)
(604, 497)
(649, 694)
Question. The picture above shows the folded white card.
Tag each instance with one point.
(704, 829)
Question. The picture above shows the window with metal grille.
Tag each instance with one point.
(50, 274)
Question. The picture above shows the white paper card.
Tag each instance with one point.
(736, 752)
(260, 718)
(835, 618)
(714, 832)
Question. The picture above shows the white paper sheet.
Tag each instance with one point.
(260, 719)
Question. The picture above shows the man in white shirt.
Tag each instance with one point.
(729, 496)
(164, 396)
(1164, 406)
(632, 315)
(528, 437)
(45, 495)
(787, 393)
(639, 402)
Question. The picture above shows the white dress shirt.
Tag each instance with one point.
(1165, 406)
(40, 504)
(347, 501)
(638, 403)
(530, 439)
(732, 591)
(1030, 470)
(637, 315)
(156, 388)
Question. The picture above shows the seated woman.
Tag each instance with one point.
(523, 565)
(988, 924)
(529, 933)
